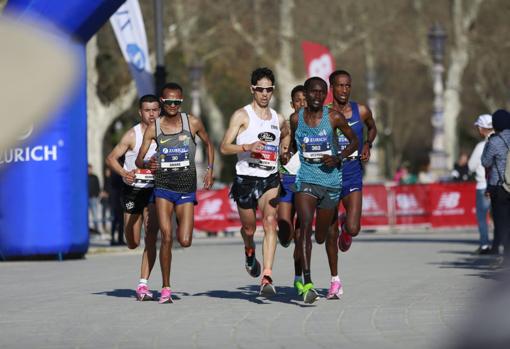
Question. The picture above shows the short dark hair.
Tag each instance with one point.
(336, 73)
(147, 99)
(296, 89)
(170, 86)
(309, 81)
(261, 73)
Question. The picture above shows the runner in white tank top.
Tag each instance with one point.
(137, 199)
(143, 178)
(256, 130)
(263, 162)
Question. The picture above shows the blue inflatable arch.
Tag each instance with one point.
(43, 189)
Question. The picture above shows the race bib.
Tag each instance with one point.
(266, 159)
(314, 148)
(175, 159)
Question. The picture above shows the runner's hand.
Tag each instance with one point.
(208, 179)
(285, 157)
(331, 160)
(365, 153)
(256, 147)
(129, 177)
(152, 164)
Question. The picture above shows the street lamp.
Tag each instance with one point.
(438, 156)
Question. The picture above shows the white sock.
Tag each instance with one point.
(335, 278)
(143, 281)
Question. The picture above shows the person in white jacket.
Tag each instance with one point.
(484, 125)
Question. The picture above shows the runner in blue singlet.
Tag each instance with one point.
(318, 179)
(357, 116)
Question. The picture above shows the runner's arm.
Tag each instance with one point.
(198, 128)
(338, 121)
(112, 160)
(237, 121)
(148, 136)
(366, 116)
(284, 139)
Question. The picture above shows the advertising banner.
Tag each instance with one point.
(127, 24)
(318, 62)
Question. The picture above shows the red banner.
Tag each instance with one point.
(411, 204)
(452, 205)
(375, 206)
(435, 205)
(318, 62)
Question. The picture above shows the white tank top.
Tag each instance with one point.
(143, 177)
(263, 163)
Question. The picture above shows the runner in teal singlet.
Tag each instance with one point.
(318, 181)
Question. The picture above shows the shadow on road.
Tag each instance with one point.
(129, 293)
(250, 293)
(486, 265)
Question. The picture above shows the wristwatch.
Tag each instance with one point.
(369, 144)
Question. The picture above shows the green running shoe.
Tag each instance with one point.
(309, 293)
(298, 286)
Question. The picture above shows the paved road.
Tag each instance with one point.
(402, 290)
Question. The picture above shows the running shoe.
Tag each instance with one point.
(252, 265)
(165, 296)
(266, 287)
(298, 286)
(143, 293)
(309, 293)
(344, 240)
(335, 290)
(282, 241)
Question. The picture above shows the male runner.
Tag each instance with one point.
(137, 191)
(176, 176)
(357, 115)
(286, 208)
(318, 181)
(256, 130)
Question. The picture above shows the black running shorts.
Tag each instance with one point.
(246, 190)
(134, 200)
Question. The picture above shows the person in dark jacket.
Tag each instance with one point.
(94, 189)
(494, 160)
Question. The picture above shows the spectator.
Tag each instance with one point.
(105, 197)
(484, 126)
(425, 175)
(94, 189)
(116, 209)
(403, 175)
(494, 160)
(460, 171)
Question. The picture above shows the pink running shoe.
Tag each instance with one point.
(165, 296)
(344, 240)
(143, 293)
(335, 290)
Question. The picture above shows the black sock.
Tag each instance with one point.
(307, 276)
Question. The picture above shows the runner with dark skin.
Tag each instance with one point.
(318, 178)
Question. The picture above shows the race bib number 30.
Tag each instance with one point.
(175, 159)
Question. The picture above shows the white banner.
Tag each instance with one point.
(129, 29)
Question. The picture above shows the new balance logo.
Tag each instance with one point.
(448, 200)
(210, 207)
(406, 201)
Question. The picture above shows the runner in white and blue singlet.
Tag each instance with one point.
(318, 180)
(358, 116)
